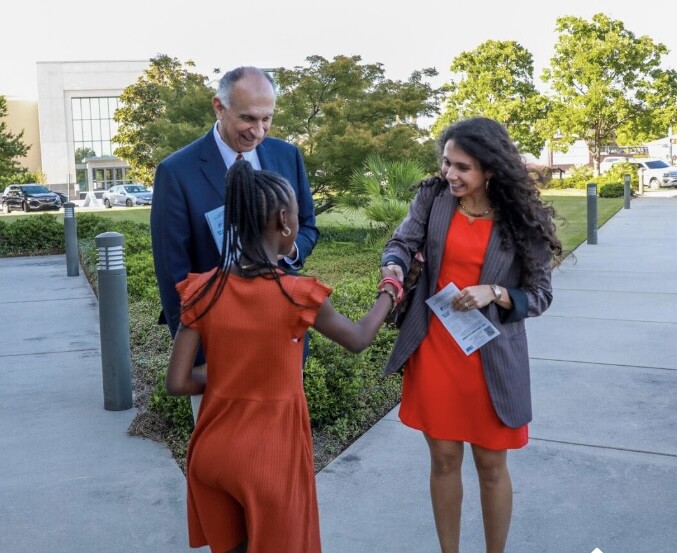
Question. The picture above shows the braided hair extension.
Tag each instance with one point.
(523, 218)
(252, 197)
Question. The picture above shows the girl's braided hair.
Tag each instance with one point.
(252, 198)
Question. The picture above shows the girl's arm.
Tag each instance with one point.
(357, 336)
(183, 379)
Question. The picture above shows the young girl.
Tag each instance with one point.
(251, 482)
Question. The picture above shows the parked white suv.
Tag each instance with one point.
(655, 172)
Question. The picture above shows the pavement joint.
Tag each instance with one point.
(600, 318)
(599, 446)
(600, 363)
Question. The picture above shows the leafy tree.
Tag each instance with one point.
(496, 80)
(383, 190)
(22, 176)
(341, 111)
(168, 107)
(662, 95)
(608, 84)
(12, 147)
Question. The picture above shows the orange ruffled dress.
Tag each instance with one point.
(250, 459)
(444, 392)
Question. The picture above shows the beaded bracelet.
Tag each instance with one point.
(390, 293)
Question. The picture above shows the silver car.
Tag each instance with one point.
(128, 195)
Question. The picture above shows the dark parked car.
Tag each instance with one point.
(127, 194)
(29, 197)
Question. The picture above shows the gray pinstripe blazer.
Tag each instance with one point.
(505, 359)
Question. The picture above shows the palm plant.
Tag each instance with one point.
(382, 191)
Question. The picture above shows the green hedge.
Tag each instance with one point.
(35, 235)
(582, 175)
(612, 190)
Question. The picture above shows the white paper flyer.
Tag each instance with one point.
(470, 329)
(215, 222)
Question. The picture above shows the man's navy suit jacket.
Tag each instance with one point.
(190, 183)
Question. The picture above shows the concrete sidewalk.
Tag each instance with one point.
(71, 479)
(600, 470)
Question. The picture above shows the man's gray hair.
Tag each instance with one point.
(231, 77)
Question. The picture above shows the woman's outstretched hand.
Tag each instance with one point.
(393, 270)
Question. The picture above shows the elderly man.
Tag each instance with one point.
(189, 184)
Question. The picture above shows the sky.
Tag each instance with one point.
(403, 36)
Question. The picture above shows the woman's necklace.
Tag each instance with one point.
(471, 214)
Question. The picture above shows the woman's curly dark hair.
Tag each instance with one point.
(523, 218)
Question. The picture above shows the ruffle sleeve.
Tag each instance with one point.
(186, 290)
(310, 294)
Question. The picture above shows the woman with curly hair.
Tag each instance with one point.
(484, 227)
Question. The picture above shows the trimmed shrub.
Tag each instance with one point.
(35, 235)
(612, 190)
(617, 174)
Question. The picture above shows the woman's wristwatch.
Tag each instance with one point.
(497, 292)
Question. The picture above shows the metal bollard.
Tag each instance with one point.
(116, 361)
(592, 213)
(627, 193)
(70, 227)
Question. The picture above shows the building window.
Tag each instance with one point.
(93, 126)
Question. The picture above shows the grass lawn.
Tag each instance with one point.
(572, 210)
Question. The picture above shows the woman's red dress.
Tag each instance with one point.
(444, 390)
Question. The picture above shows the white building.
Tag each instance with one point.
(664, 148)
(76, 102)
(576, 154)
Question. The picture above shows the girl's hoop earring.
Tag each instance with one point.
(486, 184)
(286, 231)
